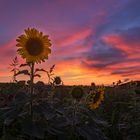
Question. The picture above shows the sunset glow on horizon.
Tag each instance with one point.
(92, 40)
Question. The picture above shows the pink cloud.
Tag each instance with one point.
(75, 37)
(118, 42)
(130, 66)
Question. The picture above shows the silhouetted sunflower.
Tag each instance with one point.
(95, 98)
(77, 93)
(33, 45)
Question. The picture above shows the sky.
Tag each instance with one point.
(92, 40)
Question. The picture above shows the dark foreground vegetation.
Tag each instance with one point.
(61, 112)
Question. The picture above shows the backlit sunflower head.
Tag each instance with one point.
(77, 93)
(33, 45)
(95, 97)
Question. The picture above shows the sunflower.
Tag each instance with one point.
(77, 93)
(33, 45)
(95, 98)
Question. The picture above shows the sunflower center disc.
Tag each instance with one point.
(34, 47)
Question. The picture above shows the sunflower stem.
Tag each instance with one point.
(31, 92)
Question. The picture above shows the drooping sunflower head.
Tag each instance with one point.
(57, 80)
(95, 98)
(77, 93)
(33, 45)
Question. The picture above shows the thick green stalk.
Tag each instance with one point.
(31, 92)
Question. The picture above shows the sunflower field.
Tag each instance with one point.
(53, 111)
